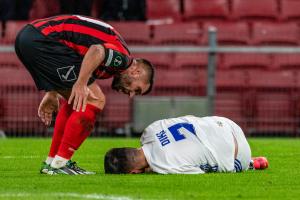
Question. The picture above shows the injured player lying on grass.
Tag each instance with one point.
(186, 145)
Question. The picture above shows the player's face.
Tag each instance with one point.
(129, 86)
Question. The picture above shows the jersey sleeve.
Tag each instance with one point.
(147, 137)
(115, 58)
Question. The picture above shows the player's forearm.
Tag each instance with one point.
(92, 59)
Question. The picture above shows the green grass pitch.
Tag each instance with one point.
(20, 161)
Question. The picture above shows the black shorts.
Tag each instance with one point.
(52, 65)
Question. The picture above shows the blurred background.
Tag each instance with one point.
(233, 58)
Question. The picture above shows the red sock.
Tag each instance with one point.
(78, 128)
(61, 119)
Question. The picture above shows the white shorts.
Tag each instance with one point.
(243, 157)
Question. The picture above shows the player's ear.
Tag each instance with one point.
(132, 67)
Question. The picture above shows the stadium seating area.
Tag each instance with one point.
(257, 90)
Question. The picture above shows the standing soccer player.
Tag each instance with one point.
(186, 145)
(64, 55)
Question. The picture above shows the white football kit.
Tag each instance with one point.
(193, 145)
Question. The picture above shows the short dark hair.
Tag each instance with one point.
(148, 66)
(119, 160)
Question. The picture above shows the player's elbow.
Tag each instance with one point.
(98, 48)
(98, 52)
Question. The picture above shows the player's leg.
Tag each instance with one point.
(78, 127)
(244, 153)
(59, 127)
(53, 65)
(243, 157)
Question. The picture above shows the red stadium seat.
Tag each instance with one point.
(180, 82)
(273, 110)
(105, 84)
(191, 60)
(274, 113)
(230, 79)
(159, 60)
(179, 78)
(193, 64)
(297, 82)
(232, 33)
(17, 79)
(11, 31)
(286, 61)
(290, 9)
(42, 9)
(243, 61)
(141, 33)
(178, 33)
(167, 9)
(230, 104)
(117, 110)
(206, 9)
(231, 92)
(272, 80)
(275, 33)
(20, 100)
(253, 9)
(9, 60)
(20, 113)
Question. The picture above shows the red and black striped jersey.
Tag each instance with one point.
(80, 32)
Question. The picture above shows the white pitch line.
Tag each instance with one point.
(22, 157)
(92, 196)
(62, 194)
(33, 157)
(14, 195)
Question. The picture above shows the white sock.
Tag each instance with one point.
(58, 162)
(49, 160)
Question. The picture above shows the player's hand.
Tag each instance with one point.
(48, 105)
(79, 95)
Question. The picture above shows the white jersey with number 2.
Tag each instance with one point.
(193, 145)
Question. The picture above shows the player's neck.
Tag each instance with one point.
(142, 158)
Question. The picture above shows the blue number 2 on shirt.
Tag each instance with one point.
(174, 130)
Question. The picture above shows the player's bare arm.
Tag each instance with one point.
(48, 105)
(50, 101)
(80, 91)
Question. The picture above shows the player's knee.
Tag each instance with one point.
(102, 102)
(99, 102)
(96, 98)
